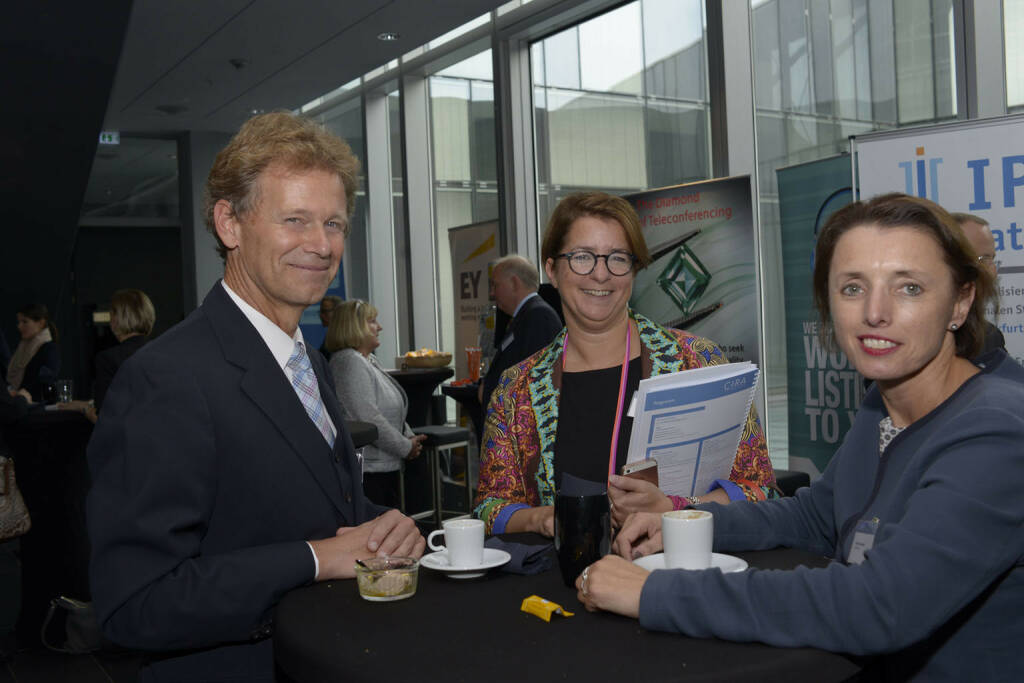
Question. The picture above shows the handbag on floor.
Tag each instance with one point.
(80, 632)
(14, 517)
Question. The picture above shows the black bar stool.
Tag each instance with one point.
(442, 439)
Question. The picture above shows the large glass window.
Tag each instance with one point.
(825, 70)
(403, 289)
(1013, 33)
(464, 163)
(620, 102)
(346, 121)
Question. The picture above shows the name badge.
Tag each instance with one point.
(863, 540)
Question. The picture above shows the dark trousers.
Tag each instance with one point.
(382, 488)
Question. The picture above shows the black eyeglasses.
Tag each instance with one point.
(583, 262)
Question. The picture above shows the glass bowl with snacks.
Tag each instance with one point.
(386, 579)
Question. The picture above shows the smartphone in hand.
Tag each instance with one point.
(645, 470)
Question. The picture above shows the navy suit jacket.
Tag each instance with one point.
(208, 478)
(533, 328)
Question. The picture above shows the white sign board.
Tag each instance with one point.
(974, 167)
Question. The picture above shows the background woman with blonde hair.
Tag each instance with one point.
(132, 317)
(369, 394)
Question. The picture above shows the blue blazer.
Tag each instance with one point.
(208, 478)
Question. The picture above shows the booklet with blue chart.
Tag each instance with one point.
(691, 423)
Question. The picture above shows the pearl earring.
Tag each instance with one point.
(954, 327)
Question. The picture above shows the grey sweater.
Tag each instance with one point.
(367, 393)
(941, 593)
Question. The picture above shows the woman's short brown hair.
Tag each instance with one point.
(350, 325)
(298, 143)
(897, 210)
(599, 205)
(131, 312)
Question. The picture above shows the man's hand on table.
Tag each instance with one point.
(629, 495)
(639, 536)
(612, 584)
(390, 534)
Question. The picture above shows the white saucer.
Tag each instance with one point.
(439, 561)
(727, 563)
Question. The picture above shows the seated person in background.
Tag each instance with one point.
(328, 305)
(556, 412)
(368, 394)
(920, 506)
(533, 324)
(979, 234)
(36, 361)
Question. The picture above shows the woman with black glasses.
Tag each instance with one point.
(563, 410)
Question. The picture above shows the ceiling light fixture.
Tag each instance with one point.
(388, 36)
(171, 109)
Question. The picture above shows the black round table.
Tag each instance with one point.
(53, 476)
(467, 397)
(419, 385)
(473, 630)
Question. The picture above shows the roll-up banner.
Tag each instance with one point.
(975, 167)
(824, 390)
(702, 277)
(473, 248)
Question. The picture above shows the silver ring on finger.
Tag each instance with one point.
(583, 584)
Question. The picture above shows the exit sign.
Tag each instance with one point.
(110, 137)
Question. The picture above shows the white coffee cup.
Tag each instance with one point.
(464, 542)
(687, 536)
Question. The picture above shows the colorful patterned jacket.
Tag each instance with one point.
(517, 465)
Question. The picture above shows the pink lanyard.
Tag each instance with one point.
(622, 398)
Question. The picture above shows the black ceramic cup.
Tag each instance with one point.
(583, 532)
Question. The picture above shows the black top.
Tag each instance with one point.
(41, 370)
(107, 363)
(586, 413)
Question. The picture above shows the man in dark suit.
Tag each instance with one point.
(979, 234)
(223, 473)
(533, 324)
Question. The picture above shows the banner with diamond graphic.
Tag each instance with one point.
(702, 277)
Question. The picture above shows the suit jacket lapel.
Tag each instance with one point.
(268, 387)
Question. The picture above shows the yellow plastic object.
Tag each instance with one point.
(539, 607)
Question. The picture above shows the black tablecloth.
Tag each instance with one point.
(53, 476)
(419, 385)
(473, 630)
(467, 397)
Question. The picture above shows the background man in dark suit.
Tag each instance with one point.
(979, 234)
(514, 282)
(223, 473)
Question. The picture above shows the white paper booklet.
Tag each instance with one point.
(691, 422)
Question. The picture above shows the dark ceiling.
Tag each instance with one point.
(207, 65)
